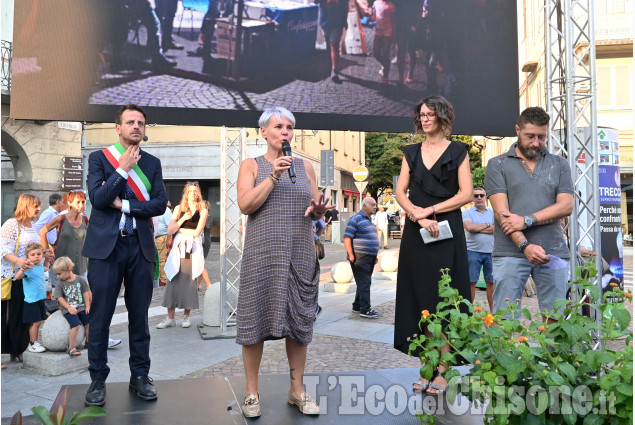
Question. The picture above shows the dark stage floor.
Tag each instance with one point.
(368, 397)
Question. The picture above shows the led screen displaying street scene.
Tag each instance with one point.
(337, 64)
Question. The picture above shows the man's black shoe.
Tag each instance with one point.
(143, 387)
(172, 45)
(160, 62)
(96, 395)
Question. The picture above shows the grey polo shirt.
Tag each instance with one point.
(526, 194)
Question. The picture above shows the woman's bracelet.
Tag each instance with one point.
(273, 178)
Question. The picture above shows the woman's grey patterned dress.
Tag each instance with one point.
(280, 274)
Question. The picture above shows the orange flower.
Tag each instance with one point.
(477, 362)
(478, 308)
(425, 314)
(506, 299)
(542, 328)
(613, 284)
(488, 320)
(522, 339)
(628, 295)
(518, 299)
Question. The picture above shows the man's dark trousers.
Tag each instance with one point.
(362, 272)
(125, 263)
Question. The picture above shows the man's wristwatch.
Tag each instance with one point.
(523, 246)
(528, 222)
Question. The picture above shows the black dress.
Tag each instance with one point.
(420, 264)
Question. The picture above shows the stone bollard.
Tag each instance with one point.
(54, 333)
(54, 337)
(388, 263)
(341, 272)
(342, 276)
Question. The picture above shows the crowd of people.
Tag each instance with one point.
(131, 227)
(413, 29)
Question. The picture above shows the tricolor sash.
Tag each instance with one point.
(137, 181)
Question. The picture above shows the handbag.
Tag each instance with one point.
(7, 282)
(319, 249)
(444, 232)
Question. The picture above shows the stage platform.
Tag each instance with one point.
(370, 397)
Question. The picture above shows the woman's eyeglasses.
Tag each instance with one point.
(430, 115)
(479, 195)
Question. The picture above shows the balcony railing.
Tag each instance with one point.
(7, 47)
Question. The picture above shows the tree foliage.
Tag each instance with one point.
(478, 177)
(384, 153)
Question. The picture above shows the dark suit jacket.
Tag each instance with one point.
(103, 231)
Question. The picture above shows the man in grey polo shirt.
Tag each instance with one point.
(478, 222)
(530, 191)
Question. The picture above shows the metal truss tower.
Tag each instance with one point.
(571, 90)
(233, 152)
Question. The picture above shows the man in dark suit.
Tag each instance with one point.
(126, 190)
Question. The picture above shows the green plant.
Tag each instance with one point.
(478, 177)
(537, 374)
(57, 415)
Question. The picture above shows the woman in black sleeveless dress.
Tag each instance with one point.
(437, 173)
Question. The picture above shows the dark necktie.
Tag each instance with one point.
(128, 225)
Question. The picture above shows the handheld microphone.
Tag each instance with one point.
(286, 149)
(145, 138)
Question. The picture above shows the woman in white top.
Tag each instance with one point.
(186, 261)
(20, 231)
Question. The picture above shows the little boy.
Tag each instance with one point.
(34, 284)
(74, 296)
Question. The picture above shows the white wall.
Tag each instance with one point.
(7, 20)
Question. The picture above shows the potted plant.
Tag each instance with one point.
(543, 373)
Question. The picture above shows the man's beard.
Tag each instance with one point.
(529, 153)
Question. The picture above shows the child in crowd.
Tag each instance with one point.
(74, 297)
(34, 282)
(384, 14)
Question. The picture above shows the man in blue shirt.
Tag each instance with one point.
(362, 245)
(478, 222)
(54, 209)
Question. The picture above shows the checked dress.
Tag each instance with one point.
(280, 273)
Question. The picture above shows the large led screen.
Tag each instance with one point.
(220, 62)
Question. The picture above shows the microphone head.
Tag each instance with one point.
(145, 138)
(286, 148)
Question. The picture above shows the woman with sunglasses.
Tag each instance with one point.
(185, 262)
(437, 174)
(71, 232)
